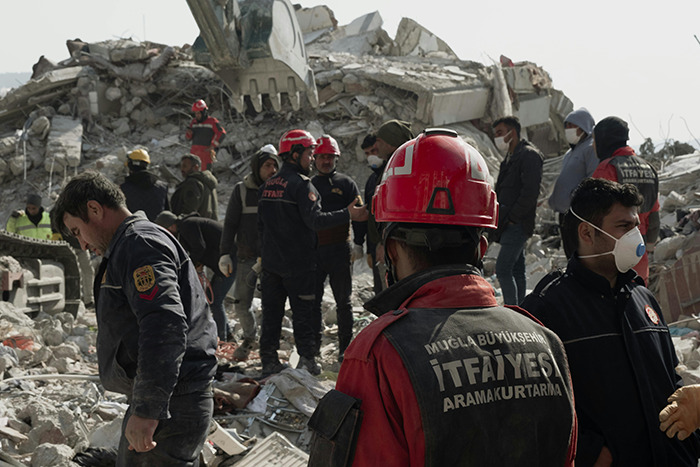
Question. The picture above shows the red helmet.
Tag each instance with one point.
(199, 106)
(293, 137)
(436, 178)
(326, 144)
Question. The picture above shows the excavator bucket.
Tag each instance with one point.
(257, 48)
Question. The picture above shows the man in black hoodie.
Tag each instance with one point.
(197, 192)
(143, 190)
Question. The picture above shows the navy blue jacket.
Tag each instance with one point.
(622, 364)
(337, 191)
(155, 334)
(289, 214)
(145, 192)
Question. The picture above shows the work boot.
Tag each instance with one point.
(271, 368)
(242, 351)
(310, 365)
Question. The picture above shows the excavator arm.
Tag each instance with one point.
(257, 48)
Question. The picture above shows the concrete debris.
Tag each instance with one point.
(89, 110)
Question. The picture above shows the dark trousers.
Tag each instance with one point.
(333, 261)
(510, 264)
(179, 439)
(275, 290)
(220, 286)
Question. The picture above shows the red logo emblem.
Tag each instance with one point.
(651, 313)
(312, 196)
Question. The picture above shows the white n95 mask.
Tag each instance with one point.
(374, 161)
(628, 250)
(501, 144)
(571, 136)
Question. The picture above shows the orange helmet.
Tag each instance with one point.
(294, 137)
(326, 144)
(199, 106)
(436, 178)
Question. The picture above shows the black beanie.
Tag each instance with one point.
(34, 199)
(610, 133)
(395, 132)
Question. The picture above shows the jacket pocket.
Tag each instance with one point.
(335, 424)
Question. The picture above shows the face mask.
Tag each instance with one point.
(501, 144)
(628, 250)
(571, 136)
(374, 161)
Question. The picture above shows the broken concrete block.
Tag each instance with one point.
(121, 126)
(445, 107)
(666, 249)
(533, 110)
(4, 169)
(53, 455)
(12, 434)
(325, 77)
(414, 39)
(364, 24)
(8, 145)
(113, 94)
(40, 127)
(674, 200)
(679, 286)
(52, 331)
(67, 350)
(64, 142)
(315, 19)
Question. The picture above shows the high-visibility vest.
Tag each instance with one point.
(23, 226)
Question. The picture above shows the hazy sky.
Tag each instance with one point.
(615, 57)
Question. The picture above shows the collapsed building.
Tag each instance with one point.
(106, 98)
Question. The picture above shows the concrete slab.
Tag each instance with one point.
(317, 18)
(364, 24)
(534, 109)
(414, 39)
(460, 105)
(64, 144)
(679, 286)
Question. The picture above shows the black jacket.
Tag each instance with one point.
(197, 193)
(622, 364)
(337, 191)
(289, 214)
(155, 334)
(240, 236)
(145, 192)
(201, 238)
(517, 188)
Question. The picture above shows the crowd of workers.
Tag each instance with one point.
(581, 369)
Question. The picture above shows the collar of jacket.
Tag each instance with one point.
(597, 283)
(249, 182)
(623, 151)
(135, 217)
(450, 286)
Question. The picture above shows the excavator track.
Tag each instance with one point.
(24, 248)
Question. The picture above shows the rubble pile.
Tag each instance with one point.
(90, 110)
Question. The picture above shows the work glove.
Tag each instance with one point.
(682, 415)
(17, 213)
(257, 267)
(356, 253)
(226, 265)
(212, 153)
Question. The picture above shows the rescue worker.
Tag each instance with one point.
(33, 221)
(579, 161)
(200, 237)
(620, 352)
(518, 187)
(289, 214)
(144, 191)
(369, 147)
(333, 255)
(197, 192)
(619, 163)
(239, 249)
(390, 135)
(444, 376)
(206, 134)
(156, 341)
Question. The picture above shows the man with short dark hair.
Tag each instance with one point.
(143, 190)
(620, 352)
(289, 214)
(156, 342)
(197, 192)
(619, 163)
(444, 376)
(517, 186)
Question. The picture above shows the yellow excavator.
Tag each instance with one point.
(257, 48)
